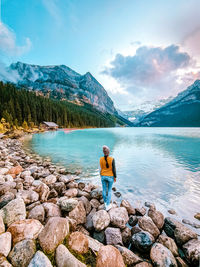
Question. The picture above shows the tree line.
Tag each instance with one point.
(19, 106)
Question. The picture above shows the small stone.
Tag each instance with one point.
(113, 236)
(65, 259)
(78, 242)
(133, 220)
(129, 257)
(22, 253)
(15, 171)
(101, 220)
(172, 211)
(52, 194)
(197, 216)
(117, 194)
(109, 256)
(43, 191)
(40, 260)
(142, 241)
(129, 208)
(53, 233)
(25, 229)
(160, 255)
(78, 213)
(5, 244)
(148, 225)
(118, 217)
(72, 224)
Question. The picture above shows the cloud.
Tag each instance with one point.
(151, 73)
(191, 42)
(8, 44)
(52, 8)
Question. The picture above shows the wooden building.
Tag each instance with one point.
(50, 125)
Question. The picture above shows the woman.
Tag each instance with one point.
(108, 176)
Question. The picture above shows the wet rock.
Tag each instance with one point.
(141, 211)
(40, 260)
(25, 229)
(101, 220)
(72, 192)
(133, 220)
(126, 236)
(142, 241)
(157, 217)
(14, 211)
(113, 236)
(172, 211)
(192, 251)
(78, 242)
(68, 204)
(197, 216)
(128, 206)
(65, 259)
(117, 194)
(170, 226)
(51, 210)
(22, 253)
(135, 230)
(160, 255)
(37, 213)
(150, 205)
(2, 226)
(89, 222)
(5, 244)
(118, 217)
(169, 243)
(53, 233)
(78, 213)
(130, 258)
(29, 196)
(109, 256)
(148, 225)
(94, 244)
(95, 203)
(86, 203)
(183, 234)
(100, 236)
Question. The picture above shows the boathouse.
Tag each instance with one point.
(50, 125)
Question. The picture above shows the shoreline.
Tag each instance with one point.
(46, 191)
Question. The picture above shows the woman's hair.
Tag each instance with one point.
(106, 151)
(107, 165)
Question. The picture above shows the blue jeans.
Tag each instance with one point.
(107, 182)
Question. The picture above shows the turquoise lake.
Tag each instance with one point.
(161, 165)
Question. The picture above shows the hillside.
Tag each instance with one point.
(182, 111)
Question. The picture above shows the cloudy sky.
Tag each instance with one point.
(141, 51)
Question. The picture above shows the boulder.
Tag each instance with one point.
(53, 233)
(78, 242)
(40, 260)
(22, 253)
(183, 234)
(5, 244)
(37, 213)
(6, 198)
(128, 206)
(118, 217)
(148, 225)
(25, 229)
(72, 192)
(109, 256)
(101, 220)
(68, 204)
(14, 211)
(169, 243)
(170, 225)
(129, 257)
(160, 255)
(78, 213)
(51, 210)
(95, 203)
(126, 236)
(29, 196)
(133, 220)
(86, 203)
(89, 222)
(113, 236)
(65, 259)
(192, 251)
(142, 241)
(157, 217)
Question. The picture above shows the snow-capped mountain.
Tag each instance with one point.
(61, 82)
(183, 110)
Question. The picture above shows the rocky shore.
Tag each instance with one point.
(50, 218)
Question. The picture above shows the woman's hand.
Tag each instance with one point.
(115, 179)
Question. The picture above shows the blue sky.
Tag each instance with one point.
(141, 51)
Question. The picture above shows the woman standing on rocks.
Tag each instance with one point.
(108, 176)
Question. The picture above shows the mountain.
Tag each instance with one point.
(62, 83)
(182, 111)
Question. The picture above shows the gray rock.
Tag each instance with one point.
(78, 213)
(14, 211)
(29, 196)
(89, 222)
(113, 236)
(100, 236)
(68, 204)
(65, 259)
(40, 260)
(5, 199)
(96, 193)
(142, 241)
(118, 217)
(37, 213)
(162, 256)
(5, 243)
(22, 253)
(101, 220)
(170, 225)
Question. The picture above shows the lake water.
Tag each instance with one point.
(161, 165)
